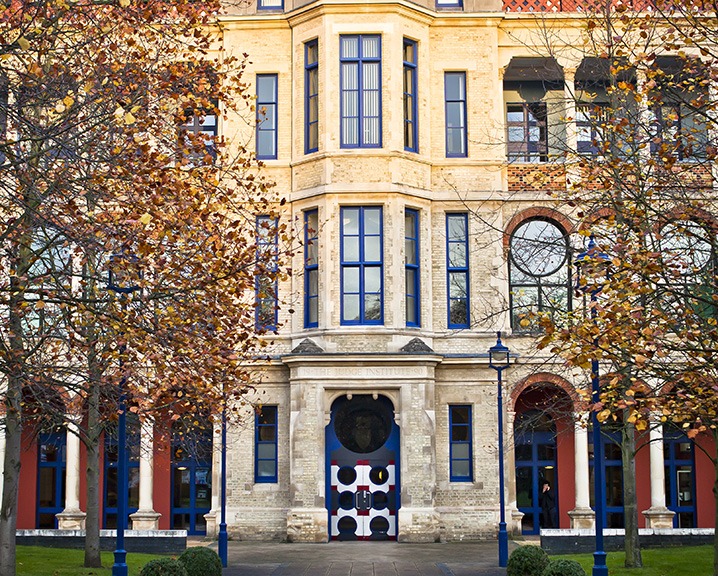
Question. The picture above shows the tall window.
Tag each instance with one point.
(266, 116)
(265, 445)
(677, 130)
(455, 95)
(460, 452)
(112, 487)
(538, 272)
(411, 266)
(457, 269)
(527, 132)
(311, 269)
(410, 88)
(199, 134)
(361, 264)
(50, 478)
(265, 281)
(590, 122)
(360, 62)
(271, 4)
(311, 103)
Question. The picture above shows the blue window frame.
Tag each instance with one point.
(311, 269)
(410, 93)
(267, 116)
(111, 472)
(50, 478)
(360, 73)
(461, 467)
(411, 267)
(455, 100)
(457, 269)
(265, 287)
(265, 445)
(270, 4)
(311, 96)
(361, 265)
(680, 482)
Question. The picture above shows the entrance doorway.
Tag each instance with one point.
(362, 442)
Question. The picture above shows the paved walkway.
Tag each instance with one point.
(363, 559)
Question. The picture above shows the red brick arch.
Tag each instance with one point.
(536, 212)
(548, 378)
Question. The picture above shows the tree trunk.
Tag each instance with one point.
(11, 477)
(92, 520)
(632, 545)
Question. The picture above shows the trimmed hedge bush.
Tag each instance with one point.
(163, 567)
(527, 561)
(563, 567)
(201, 561)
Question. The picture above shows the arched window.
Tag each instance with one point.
(538, 272)
(689, 257)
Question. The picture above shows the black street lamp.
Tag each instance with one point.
(120, 281)
(595, 262)
(222, 536)
(499, 359)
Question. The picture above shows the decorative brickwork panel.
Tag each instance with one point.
(536, 177)
(572, 5)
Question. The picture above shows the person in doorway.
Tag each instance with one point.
(548, 506)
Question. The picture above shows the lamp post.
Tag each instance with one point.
(499, 358)
(119, 281)
(222, 536)
(591, 256)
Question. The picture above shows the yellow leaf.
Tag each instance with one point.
(146, 218)
(124, 3)
(40, 304)
(603, 415)
(641, 425)
(23, 43)
(129, 118)
(68, 100)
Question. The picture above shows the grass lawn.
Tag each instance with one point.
(686, 561)
(40, 561)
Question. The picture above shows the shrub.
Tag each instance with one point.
(201, 561)
(563, 567)
(527, 561)
(163, 567)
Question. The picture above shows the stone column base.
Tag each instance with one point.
(514, 527)
(307, 525)
(145, 520)
(659, 517)
(71, 520)
(212, 523)
(418, 525)
(582, 518)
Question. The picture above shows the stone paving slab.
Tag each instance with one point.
(363, 559)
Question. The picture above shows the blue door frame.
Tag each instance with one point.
(111, 490)
(535, 455)
(613, 473)
(191, 495)
(679, 455)
(51, 455)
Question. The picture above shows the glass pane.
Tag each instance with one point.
(372, 249)
(455, 114)
(370, 46)
(614, 486)
(181, 497)
(456, 227)
(266, 86)
(539, 248)
(266, 468)
(546, 451)
(459, 313)
(455, 141)
(459, 433)
(523, 452)
(410, 276)
(313, 282)
(351, 249)
(312, 52)
(349, 46)
(460, 468)
(46, 487)
(460, 414)
(457, 255)
(372, 307)
(410, 251)
(203, 490)
(111, 487)
(265, 451)
(265, 143)
(351, 308)
(133, 488)
(372, 220)
(372, 279)
(313, 310)
(455, 86)
(684, 483)
(459, 450)
(351, 280)
(350, 221)
(524, 487)
(200, 524)
(457, 285)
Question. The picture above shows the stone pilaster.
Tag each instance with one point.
(146, 518)
(72, 518)
(581, 516)
(657, 516)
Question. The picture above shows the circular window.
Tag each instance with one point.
(686, 246)
(379, 524)
(347, 525)
(378, 475)
(363, 424)
(539, 248)
(346, 500)
(346, 475)
(380, 500)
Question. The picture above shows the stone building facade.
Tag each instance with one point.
(411, 141)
